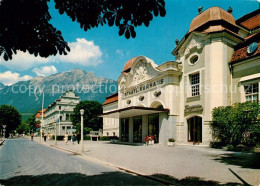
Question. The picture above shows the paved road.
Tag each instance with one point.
(24, 162)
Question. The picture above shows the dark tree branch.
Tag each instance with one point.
(25, 23)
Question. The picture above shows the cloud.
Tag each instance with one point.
(119, 52)
(45, 71)
(9, 78)
(82, 52)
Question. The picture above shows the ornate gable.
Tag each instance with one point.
(142, 70)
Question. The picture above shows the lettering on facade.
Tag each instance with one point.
(193, 108)
(144, 87)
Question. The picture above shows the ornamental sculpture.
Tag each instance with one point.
(195, 42)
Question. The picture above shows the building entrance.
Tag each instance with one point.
(195, 129)
(124, 129)
(137, 133)
(153, 126)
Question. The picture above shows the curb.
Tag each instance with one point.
(162, 181)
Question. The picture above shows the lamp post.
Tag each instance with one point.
(4, 126)
(82, 138)
(42, 113)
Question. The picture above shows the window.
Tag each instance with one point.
(114, 134)
(68, 127)
(107, 133)
(251, 92)
(194, 59)
(195, 84)
(60, 118)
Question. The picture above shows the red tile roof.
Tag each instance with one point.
(240, 52)
(111, 99)
(250, 21)
(129, 64)
(39, 113)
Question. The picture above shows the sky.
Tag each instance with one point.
(102, 51)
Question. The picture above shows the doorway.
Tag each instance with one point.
(137, 134)
(153, 126)
(124, 129)
(195, 129)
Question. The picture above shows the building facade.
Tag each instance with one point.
(217, 64)
(59, 113)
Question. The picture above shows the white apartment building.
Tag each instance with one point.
(59, 113)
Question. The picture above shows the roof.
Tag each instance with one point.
(240, 52)
(212, 14)
(39, 113)
(111, 99)
(250, 21)
(128, 64)
(132, 111)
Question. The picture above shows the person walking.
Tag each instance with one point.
(32, 136)
(66, 138)
(78, 138)
(45, 137)
(73, 138)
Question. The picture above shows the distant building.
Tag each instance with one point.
(59, 112)
(38, 116)
(217, 64)
(111, 125)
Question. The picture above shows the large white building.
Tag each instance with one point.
(60, 111)
(217, 64)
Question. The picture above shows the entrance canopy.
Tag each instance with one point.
(132, 111)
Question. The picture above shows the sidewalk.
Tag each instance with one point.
(178, 161)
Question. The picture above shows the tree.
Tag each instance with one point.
(25, 24)
(22, 128)
(90, 119)
(10, 117)
(31, 123)
(232, 121)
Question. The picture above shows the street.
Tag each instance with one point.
(25, 162)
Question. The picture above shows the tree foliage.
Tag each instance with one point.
(10, 117)
(25, 24)
(31, 123)
(22, 128)
(232, 121)
(90, 119)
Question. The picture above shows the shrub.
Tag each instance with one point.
(86, 137)
(216, 145)
(232, 121)
(104, 138)
(171, 140)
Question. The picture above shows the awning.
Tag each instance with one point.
(132, 111)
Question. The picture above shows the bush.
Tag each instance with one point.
(104, 138)
(87, 137)
(216, 145)
(232, 121)
(171, 140)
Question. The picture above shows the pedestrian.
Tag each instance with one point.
(32, 136)
(45, 137)
(73, 138)
(66, 138)
(78, 137)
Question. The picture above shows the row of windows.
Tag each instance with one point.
(251, 91)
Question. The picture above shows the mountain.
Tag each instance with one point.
(26, 96)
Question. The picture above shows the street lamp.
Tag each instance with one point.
(4, 126)
(82, 138)
(42, 115)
